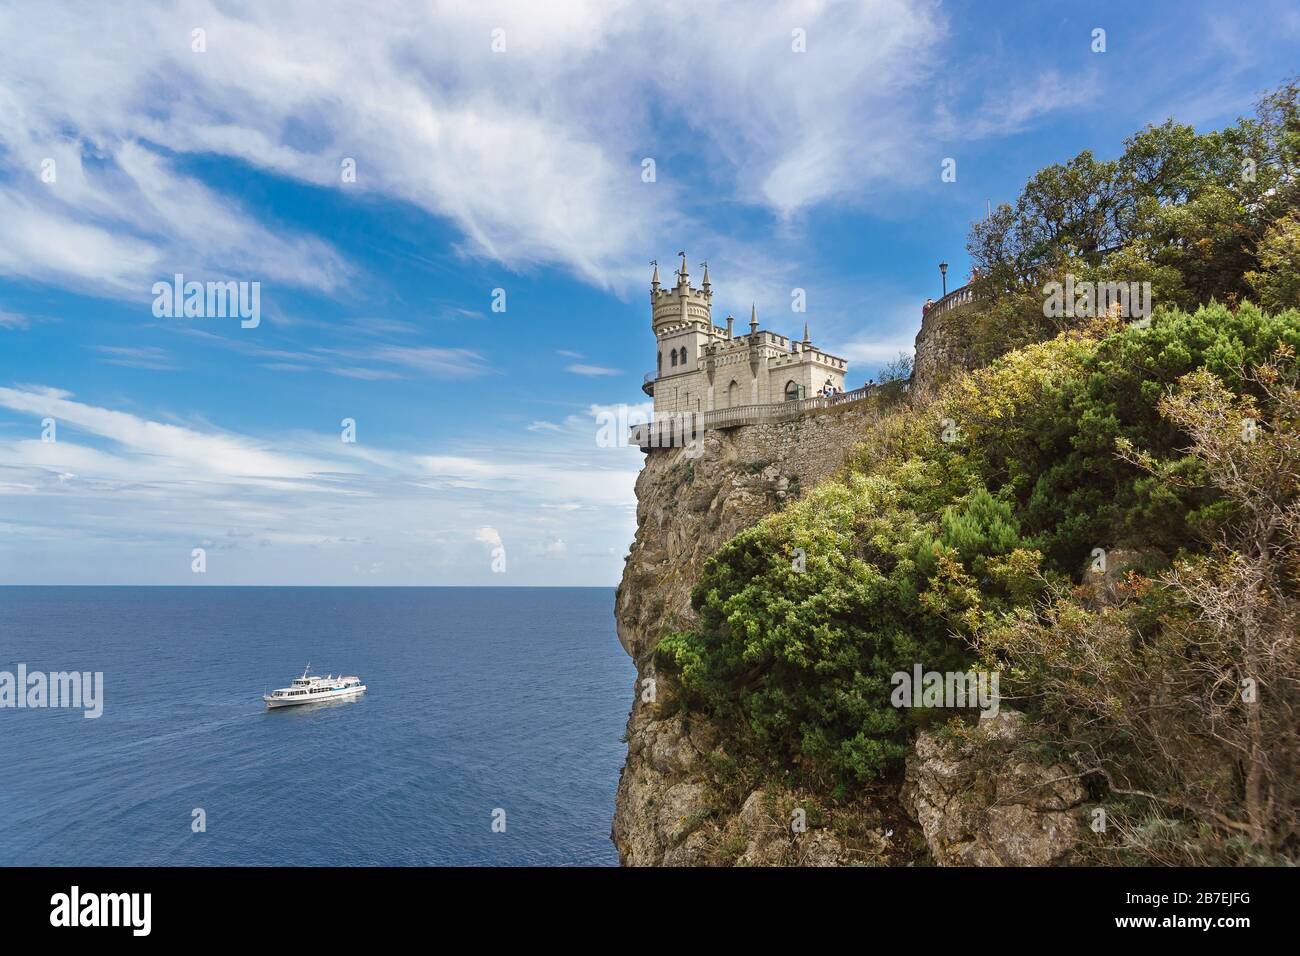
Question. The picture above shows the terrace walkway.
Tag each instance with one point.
(676, 427)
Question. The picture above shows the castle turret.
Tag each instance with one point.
(682, 307)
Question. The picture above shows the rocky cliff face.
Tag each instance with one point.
(679, 801)
(670, 808)
(979, 803)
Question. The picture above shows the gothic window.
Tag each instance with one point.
(674, 358)
(661, 361)
(733, 394)
(791, 391)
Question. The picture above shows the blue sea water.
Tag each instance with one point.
(479, 699)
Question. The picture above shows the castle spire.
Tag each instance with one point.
(753, 319)
(806, 340)
(654, 279)
(705, 285)
(683, 275)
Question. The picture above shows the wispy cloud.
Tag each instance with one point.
(143, 356)
(298, 507)
(432, 360)
(533, 165)
(592, 370)
(178, 449)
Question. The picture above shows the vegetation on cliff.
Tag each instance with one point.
(973, 528)
(1200, 216)
(960, 534)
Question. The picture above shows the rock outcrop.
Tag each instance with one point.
(979, 804)
(678, 803)
(686, 509)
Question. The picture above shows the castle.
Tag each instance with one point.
(705, 368)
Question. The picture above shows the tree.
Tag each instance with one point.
(1184, 695)
(1193, 214)
(1277, 280)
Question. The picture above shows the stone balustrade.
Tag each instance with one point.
(679, 428)
(955, 299)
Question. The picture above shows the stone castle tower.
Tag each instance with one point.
(702, 367)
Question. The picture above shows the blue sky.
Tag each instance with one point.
(476, 170)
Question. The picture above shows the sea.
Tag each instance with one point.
(490, 732)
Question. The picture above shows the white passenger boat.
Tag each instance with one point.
(309, 690)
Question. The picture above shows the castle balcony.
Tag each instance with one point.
(675, 430)
(648, 384)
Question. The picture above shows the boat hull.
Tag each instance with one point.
(274, 703)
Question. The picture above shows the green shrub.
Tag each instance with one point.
(962, 512)
(802, 659)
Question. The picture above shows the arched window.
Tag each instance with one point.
(674, 358)
(791, 391)
(660, 366)
(733, 394)
(683, 358)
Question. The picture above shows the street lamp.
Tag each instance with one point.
(943, 274)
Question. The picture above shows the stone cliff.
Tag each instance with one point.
(669, 808)
(680, 799)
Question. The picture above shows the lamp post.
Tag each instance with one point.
(943, 274)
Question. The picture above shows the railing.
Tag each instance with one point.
(678, 425)
(953, 300)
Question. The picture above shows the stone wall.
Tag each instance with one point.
(943, 345)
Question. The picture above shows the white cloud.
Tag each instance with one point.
(121, 498)
(145, 356)
(532, 162)
(592, 370)
(197, 453)
(873, 352)
(1017, 104)
(444, 362)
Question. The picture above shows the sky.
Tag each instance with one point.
(449, 216)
